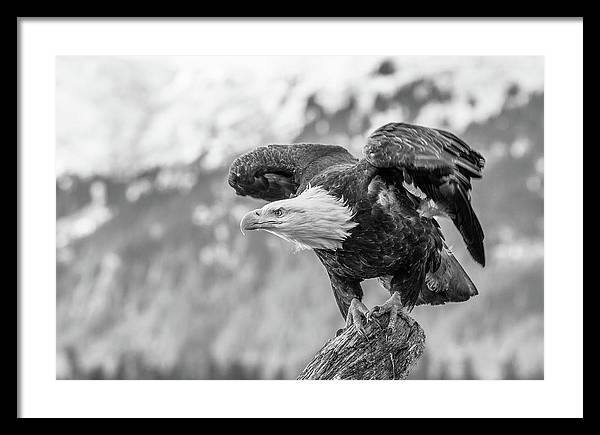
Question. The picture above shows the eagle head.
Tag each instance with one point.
(315, 219)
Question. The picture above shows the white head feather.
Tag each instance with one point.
(314, 219)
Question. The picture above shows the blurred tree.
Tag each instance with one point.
(469, 369)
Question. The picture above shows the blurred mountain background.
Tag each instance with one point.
(154, 278)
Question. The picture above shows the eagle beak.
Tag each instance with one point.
(250, 221)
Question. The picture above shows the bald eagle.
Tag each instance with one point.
(373, 217)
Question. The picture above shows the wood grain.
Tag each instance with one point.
(379, 355)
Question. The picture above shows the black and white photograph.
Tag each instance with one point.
(391, 182)
(218, 217)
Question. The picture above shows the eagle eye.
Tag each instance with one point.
(278, 212)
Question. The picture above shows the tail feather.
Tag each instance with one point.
(449, 283)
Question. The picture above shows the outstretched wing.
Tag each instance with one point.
(276, 172)
(441, 165)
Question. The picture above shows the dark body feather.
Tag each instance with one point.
(392, 240)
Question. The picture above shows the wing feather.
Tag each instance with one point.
(276, 172)
(441, 165)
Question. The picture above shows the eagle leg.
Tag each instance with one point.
(393, 306)
(357, 312)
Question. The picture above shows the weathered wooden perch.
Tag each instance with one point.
(352, 356)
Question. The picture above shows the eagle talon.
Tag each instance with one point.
(375, 311)
(356, 312)
(393, 306)
(370, 318)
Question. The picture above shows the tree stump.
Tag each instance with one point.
(379, 355)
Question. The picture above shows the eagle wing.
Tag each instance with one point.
(276, 172)
(441, 165)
